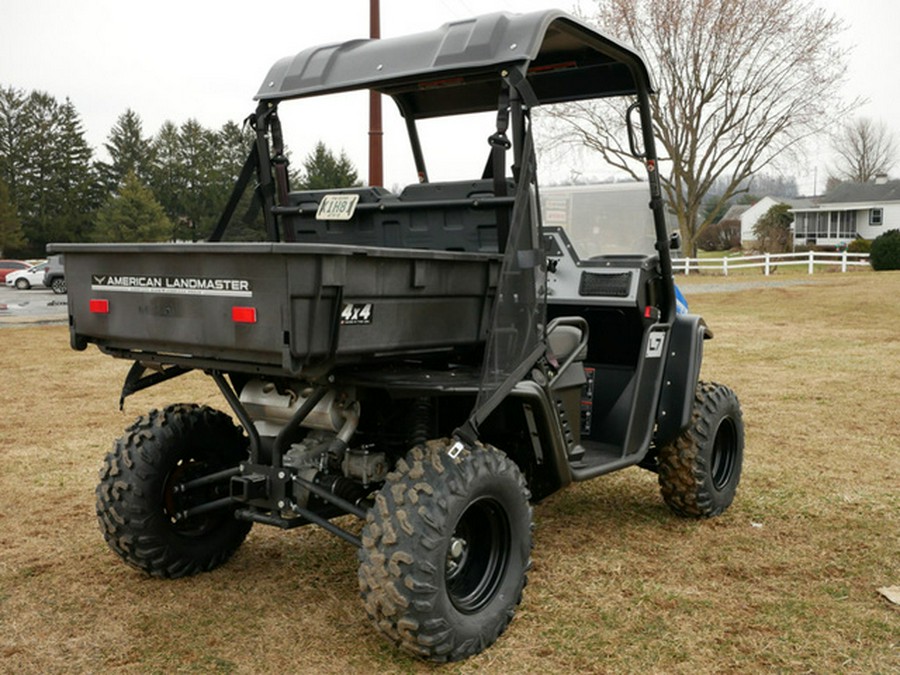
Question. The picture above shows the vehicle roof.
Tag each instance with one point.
(456, 68)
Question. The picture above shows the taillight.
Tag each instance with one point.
(98, 306)
(243, 314)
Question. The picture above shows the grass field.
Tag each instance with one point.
(785, 581)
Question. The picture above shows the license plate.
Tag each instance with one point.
(337, 207)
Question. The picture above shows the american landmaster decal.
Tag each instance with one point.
(240, 288)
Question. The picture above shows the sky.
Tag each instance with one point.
(206, 59)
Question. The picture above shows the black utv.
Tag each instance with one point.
(431, 361)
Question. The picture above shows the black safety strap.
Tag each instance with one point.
(266, 187)
(247, 171)
(280, 165)
(500, 143)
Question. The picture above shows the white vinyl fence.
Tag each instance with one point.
(769, 261)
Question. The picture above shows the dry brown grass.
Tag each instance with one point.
(784, 581)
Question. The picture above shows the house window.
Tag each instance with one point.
(821, 225)
(875, 216)
(848, 225)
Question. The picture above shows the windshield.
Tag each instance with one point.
(603, 219)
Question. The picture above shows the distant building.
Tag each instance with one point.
(751, 215)
(734, 213)
(849, 211)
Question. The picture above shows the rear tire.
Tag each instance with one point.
(446, 549)
(137, 503)
(58, 285)
(699, 472)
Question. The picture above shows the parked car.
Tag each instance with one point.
(30, 278)
(54, 274)
(7, 266)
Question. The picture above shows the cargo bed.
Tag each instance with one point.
(276, 308)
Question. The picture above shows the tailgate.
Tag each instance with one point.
(274, 307)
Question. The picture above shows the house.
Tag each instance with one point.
(750, 216)
(734, 213)
(849, 211)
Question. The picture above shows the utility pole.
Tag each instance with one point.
(376, 154)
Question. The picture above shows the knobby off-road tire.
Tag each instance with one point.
(137, 503)
(446, 549)
(699, 472)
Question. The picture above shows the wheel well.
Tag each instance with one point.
(522, 430)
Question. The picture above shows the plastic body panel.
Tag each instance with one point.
(681, 376)
(627, 352)
(312, 303)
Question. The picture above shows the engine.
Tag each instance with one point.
(322, 454)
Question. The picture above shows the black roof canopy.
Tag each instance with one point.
(456, 68)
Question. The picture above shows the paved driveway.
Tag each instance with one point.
(36, 305)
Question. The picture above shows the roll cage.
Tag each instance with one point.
(510, 63)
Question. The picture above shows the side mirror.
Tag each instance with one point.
(636, 146)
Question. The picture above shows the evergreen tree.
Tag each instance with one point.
(192, 176)
(202, 199)
(128, 150)
(46, 163)
(11, 235)
(234, 143)
(166, 174)
(12, 102)
(75, 188)
(322, 170)
(132, 215)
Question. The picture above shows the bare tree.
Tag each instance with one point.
(864, 149)
(741, 84)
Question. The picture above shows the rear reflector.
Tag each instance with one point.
(243, 314)
(99, 306)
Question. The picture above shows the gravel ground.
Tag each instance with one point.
(692, 289)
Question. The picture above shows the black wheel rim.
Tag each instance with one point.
(175, 504)
(724, 453)
(477, 555)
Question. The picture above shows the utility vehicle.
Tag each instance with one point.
(429, 362)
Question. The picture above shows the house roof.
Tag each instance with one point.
(799, 203)
(863, 192)
(734, 212)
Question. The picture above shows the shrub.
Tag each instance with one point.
(859, 246)
(885, 253)
(773, 230)
(722, 236)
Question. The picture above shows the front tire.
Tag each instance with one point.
(446, 549)
(699, 472)
(22, 284)
(138, 505)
